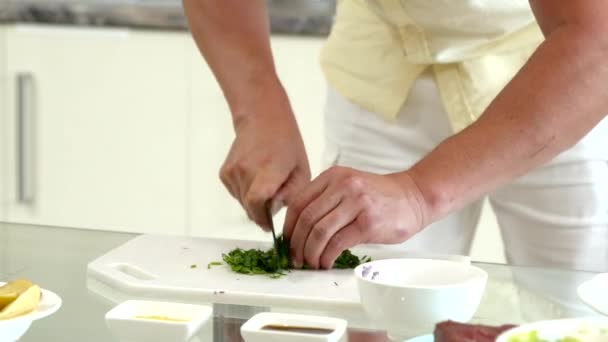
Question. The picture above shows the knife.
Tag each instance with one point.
(274, 234)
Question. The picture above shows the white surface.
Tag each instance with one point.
(158, 267)
(110, 126)
(123, 322)
(487, 243)
(252, 329)
(425, 291)
(423, 338)
(594, 293)
(551, 331)
(13, 329)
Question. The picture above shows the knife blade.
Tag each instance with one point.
(274, 234)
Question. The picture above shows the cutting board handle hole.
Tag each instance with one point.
(133, 271)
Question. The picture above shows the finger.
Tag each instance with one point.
(227, 181)
(348, 237)
(341, 216)
(309, 216)
(301, 201)
(229, 173)
(292, 188)
(262, 189)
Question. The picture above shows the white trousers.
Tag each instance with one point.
(555, 216)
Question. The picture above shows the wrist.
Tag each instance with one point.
(428, 205)
(257, 99)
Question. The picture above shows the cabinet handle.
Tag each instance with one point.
(25, 143)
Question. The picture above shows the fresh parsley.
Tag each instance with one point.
(255, 261)
(213, 263)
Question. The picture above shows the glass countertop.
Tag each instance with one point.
(57, 259)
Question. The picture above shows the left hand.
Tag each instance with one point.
(344, 207)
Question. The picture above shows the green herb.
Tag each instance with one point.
(348, 260)
(193, 266)
(213, 263)
(255, 261)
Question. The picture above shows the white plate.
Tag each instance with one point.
(555, 329)
(593, 293)
(49, 304)
(423, 338)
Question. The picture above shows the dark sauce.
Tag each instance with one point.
(295, 329)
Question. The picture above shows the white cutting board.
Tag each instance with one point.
(154, 266)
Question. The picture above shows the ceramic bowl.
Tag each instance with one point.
(151, 321)
(13, 329)
(593, 293)
(253, 330)
(407, 297)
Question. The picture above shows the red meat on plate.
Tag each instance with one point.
(450, 331)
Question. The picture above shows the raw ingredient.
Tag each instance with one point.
(19, 297)
(255, 261)
(450, 331)
(213, 263)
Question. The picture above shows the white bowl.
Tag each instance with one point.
(593, 293)
(555, 330)
(407, 297)
(252, 330)
(13, 329)
(136, 320)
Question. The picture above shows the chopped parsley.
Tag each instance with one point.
(213, 263)
(255, 261)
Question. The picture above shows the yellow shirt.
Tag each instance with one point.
(377, 49)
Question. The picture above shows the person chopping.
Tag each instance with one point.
(431, 105)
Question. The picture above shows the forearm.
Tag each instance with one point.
(550, 104)
(233, 37)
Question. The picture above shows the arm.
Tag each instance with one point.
(233, 37)
(557, 97)
(267, 160)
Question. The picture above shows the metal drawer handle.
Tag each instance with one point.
(25, 143)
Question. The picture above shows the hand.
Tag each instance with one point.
(267, 160)
(344, 207)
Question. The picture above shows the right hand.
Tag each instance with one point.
(267, 160)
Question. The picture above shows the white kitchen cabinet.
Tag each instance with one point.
(212, 211)
(3, 127)
(104, 137)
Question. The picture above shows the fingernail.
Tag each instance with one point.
(296, 264)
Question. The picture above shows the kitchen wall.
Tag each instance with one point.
(3, 127)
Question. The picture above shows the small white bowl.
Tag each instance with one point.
(407, 297)
(150, 321)
(13, 329)
(252, 330)
(555, 330)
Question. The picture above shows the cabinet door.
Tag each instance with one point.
(3, 127)
(103, 136)
(212, 207)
